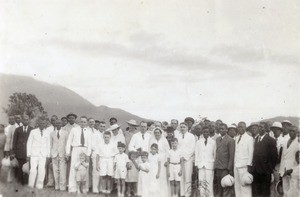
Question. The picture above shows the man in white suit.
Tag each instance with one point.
(244, 147)
(38, 149)
(79, 141)
(288, 157)
(58, 141)
(205, 154)
(9, 134)
(186, 144)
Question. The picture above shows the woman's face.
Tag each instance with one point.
(157, 134)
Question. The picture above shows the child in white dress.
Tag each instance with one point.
(81, 169)
(120, 162)
(155, 168)
(132, 174)
(143, 182)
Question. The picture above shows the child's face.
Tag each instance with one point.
(153, 150)
(121, 149)
(106, 138)
(170, 134)
(144, 158)
(174, 144)
(133, 156)
(82, 159)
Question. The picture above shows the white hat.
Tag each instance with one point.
(286, 121)
(227, 181)
(5, 162)
(14, 163)
(232, 126)
(277, 125)
(132, 122)
(247, 179)
(25, 168)
(113, 127)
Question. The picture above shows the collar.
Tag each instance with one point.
(261, 137)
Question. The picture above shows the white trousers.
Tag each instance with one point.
(37, 172)
(186, 178)
(240, 190)
(60, 172)
(206, 181)
(95, 174)
(286, 185)
(72, 176)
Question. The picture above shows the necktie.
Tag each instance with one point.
(240, 138)
(24, 129)
(58, 134)
(259, 138)
(82, 138)
(42, 133)
(205, 141)
(143, 136)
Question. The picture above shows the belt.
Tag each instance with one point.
(101, 157)
(174, 163)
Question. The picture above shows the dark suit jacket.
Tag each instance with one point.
(225, 153)
(20, 142)
(265, 155)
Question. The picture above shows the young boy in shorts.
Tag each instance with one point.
(174, 167)
(105, 162)
(121, 161)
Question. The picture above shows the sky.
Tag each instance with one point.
(161, 59)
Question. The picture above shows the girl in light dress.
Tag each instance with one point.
(143, 181)
(132, 174)
(155, 170)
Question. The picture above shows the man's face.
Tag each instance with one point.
(18, 119)
(262, 129)
(183, 128)
(106, 138)
(97, 125)
(223, 130)
(232, 132)
(241, 128)
(64, 122)
(143, 127)
(292, 132)
(42, 124)
(157, 134)
(158, 124)
(152, 127)
(285, 128)
(189, 123)
(53, 120)
(11, 120)
(113, 121)
(254, 130)
(71, 119)
(26, 121)
(91, 123)
(58, 124)
(198, 130)
(277, 132)
(83, 122)
(205, 133)
(102, 127)
(212, 128)
(174, 124)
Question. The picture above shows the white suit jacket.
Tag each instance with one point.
(205, 155)
(37, 144)
(186, 145)
(243, 151)
(288, 160)
(9, 133)
(58, 145)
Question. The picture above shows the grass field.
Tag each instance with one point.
(16, 190)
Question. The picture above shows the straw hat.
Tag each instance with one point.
(132, 122)
(113, 127)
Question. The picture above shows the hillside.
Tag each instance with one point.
(293, 120)
(57, 99)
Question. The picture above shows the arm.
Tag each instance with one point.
(273, 153)
(97, 162)
(144, 169)
(29, 143)
(190, 148)
(168, 167)
(69, 142)
(181, 167)
(231, 150)
(48, 146)
(158, 169)
(89, 145)
(131, 146)
(8, 139)
(250, 151)
(197, 153)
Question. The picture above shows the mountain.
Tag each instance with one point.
(293, 120)
(57, 100)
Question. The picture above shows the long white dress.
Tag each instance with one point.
(143, 183)
(154, 183)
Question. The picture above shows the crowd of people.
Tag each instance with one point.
(199, 158)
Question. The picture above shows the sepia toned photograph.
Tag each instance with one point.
(149, 98)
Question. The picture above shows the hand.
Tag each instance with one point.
(68, 157)
(183, 159)
(157, 176)
(180, 173)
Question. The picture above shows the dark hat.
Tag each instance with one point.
(144, 153)
(113, 118)
(170, 129)
(189, 119)
(72, 114)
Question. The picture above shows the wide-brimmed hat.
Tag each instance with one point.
(132, 122)
(252, 124)
(72, 114)
(189, 119)
(287, 122)
(276, 125)
(113, 127)
(232, 126)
